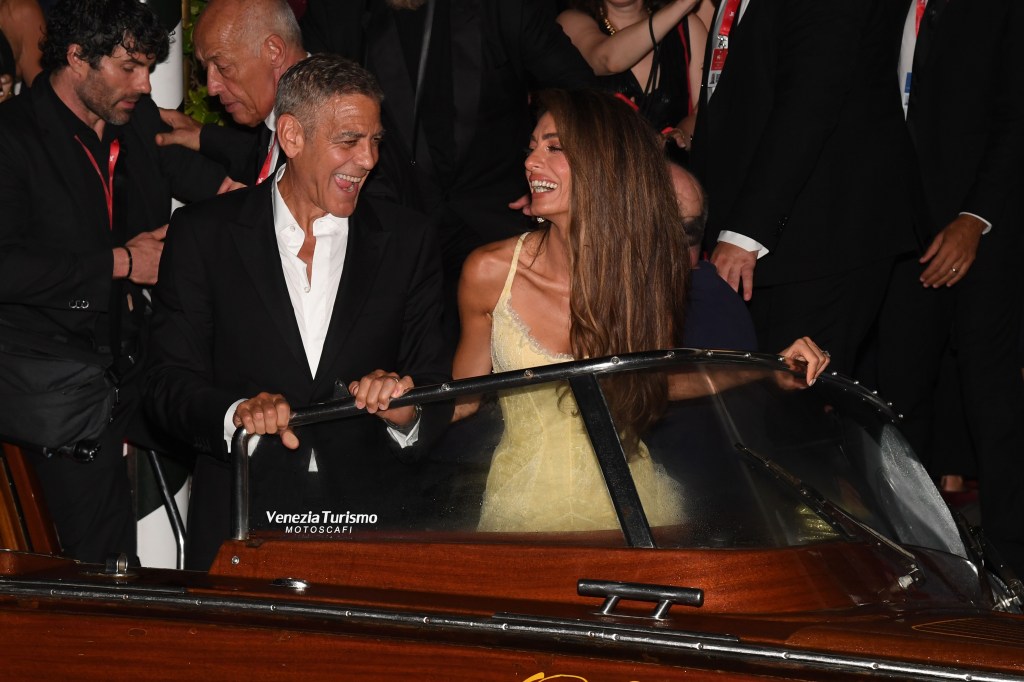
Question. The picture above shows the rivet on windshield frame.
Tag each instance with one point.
(835, 374)
(235, 560)
(528, 374)
(782, 358)
(856, 383)
(709, 353)
(445, 387)
(670, 354)
(900, 416)
(747, 355)
(615, 359)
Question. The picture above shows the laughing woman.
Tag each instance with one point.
(606, 273)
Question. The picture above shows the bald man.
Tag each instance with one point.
(245, 47)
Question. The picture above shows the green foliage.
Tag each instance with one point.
(198, 103)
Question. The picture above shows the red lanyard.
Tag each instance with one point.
(108, 187)
(921, 4)
(721, 51)
(728, 17)
(265, 171)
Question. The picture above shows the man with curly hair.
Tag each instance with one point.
(85, 196)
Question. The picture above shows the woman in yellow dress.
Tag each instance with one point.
(605, 273)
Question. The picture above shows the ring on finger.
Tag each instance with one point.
(954, 269)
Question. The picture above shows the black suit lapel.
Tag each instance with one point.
(254, 237)
(467, 66)
(926, 35)
(363, 258)
(63, 151)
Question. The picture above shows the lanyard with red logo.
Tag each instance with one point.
(108, 186)
(265, 171)
(721, 51)
(921, 4)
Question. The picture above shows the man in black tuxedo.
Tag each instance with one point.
(800, 145)
(246, 46)
(85, 196)
(279, 290)
(965, 114)
(457, 76)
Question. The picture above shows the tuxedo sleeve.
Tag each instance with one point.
(235, 150)
(998, 174)
(422, 353)
(818, 45)
(180, 393)
(548, 56)
(190, 175)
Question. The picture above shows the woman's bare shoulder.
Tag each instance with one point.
(490, 263)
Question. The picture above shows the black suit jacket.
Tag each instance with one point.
(241, 151)
(802, 146)
(500, 50)
(55, 237)
(225, 329)
(966, 113)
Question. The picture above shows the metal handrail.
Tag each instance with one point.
(502, 381)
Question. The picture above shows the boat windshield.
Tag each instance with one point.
(694, 451)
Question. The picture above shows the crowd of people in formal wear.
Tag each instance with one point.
(798, 175)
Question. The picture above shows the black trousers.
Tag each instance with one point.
(91, 505)
(978, 321)
(837, 312)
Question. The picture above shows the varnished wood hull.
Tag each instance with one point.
(444, 617)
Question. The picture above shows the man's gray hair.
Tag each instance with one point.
(308, 86)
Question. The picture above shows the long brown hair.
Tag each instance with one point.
(629, 265)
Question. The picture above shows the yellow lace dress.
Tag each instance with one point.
(544, 475)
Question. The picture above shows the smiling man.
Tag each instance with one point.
(85, 195)
(271, 294)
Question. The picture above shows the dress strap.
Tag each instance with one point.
(512, 268)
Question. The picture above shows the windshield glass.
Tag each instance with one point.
(717, 454)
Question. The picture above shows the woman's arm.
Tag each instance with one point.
(620, 52)
(706, 13)
(483, 276)
(24, 29)
(686, 385)
(682, 134)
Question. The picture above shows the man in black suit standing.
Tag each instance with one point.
(85, 196)
(456, 76)
(965, 114)
(800, 145)
(246, 46)
(269, 295)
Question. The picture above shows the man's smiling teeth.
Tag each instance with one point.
(353, 181)
(537, 186)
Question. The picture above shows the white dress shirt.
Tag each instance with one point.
(312, 297)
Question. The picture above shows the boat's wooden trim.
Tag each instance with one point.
(27, 525)
(826, 576)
